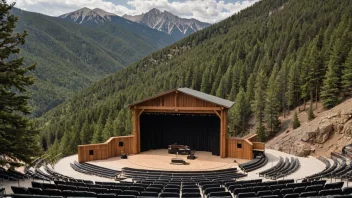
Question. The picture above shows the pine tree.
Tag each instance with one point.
(272, 103)
(330, 90)
(108, 131)
(18, 136)
(206, 81)
(259, 97)
(295, 122)
(310, 112)
(239, 113)
(261, 134)
(347, 75)
(293, 89)
(84, 133)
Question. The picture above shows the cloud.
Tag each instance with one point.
(205, 10)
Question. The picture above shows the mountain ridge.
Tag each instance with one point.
(71, 56)
(168, 22)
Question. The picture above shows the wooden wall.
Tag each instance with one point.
(246, 152)
(108, 149)
(258, 145)
(177, 99)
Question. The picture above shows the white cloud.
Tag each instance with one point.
(205, 10)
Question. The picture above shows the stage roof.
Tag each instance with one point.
(197, 94)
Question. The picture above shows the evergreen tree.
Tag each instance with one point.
(295, 122)
(347, 75)
(330, 90)
(108, 131)
(293, 89)
(272, 103)
(261, 134)
(85, 133)
(18, 136)
(206, 81)
(239, 114)
(310, 112)
(259, 98)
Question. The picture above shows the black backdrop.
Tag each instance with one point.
(199, 131)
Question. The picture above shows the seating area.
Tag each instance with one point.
(91, 169)
(184, 188)
(254, 164)
(11, 175)
(282, 168)
(340, 168)
(141, 175)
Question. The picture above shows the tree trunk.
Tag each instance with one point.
(316, 97)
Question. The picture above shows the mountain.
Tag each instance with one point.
(168, 22)
(72, 56)
(86, 15)
(268, 58)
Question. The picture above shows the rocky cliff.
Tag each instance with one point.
(329, 131)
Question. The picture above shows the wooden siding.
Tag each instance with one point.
(105, 150)
(177, 99)
(246, 152)
(258, 145)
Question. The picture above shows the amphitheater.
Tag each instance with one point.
(206, 163)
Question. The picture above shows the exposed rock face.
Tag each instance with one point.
(329, 132)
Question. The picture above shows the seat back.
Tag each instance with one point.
(249, 194)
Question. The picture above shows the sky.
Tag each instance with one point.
(210, 11)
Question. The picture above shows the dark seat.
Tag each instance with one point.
(149, 194)
(277, 186)
(190, 190)
(318, 182)
(116, 191)
(291, 195)
(257, 188)
(192, 195)
(277, 192)
(220, 194)
(264, 192)
(19, 190)
(326, 192)
(131, 192)
(206, 186)
(55, 192)
(153, 189)
(334, 185)
(286, 191)
(65, 187)
(37, 185)
(314, 188)
(137, 188)
(106, 195)
(299, 189)
(241, 190)
(249, 194)
(286, 181)
(98, 190)
(166, 194)
(35, 191)
(173, 190)
(126, 196)
(49, 186)
(214, 189)
(347, 190)
(309, 194)
(270, 196)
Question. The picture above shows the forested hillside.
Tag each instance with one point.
(268, 58)
(71, 56)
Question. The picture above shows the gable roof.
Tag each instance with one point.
(197, 94)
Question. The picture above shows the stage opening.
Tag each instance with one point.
(199, 131)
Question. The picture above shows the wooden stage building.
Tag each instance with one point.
(182, 116)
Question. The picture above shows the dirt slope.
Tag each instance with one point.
(329, 131)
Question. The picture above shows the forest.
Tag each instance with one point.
(269, 59)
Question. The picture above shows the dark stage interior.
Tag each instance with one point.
(199, 131)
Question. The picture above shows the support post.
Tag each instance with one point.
(135, 131)
(222, 135)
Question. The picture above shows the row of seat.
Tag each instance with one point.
(282, 168)
(91, 169)
(254, 164)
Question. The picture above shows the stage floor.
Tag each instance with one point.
(160, 160)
